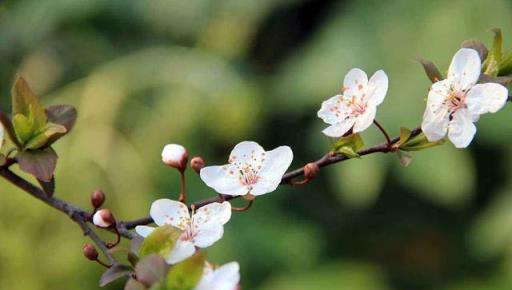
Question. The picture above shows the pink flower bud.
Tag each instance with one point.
(197, 163)
(90, 252)
(103, 218)
(176, 156)
(97, 198)
(310, 170)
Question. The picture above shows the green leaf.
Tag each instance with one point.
(24, 102)
(115, 272)
(431, 70)
(63, 115)
(419, 142)
(476, 45)
(43, 138)
(506, 65)
(23, 127)
(186, 275)
(36, 142)
(151, 270)
(405, 134)
(349, 145)
(161, 241)
(133, 284)
(491, 64)
(39, 163)
(404, 157)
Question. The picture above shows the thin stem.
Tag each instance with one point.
(95, 238)
(245, 208)
(110, 245)
(388, 140)
(183, 196)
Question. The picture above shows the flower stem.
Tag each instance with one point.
(183, 196)
(245, 208)
(388, 140)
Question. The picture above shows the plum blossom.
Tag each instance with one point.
(202, 229)
(103, 218)
(356, 107)
(1, 135)
(455, 103)
(225, 277)
(250, 170)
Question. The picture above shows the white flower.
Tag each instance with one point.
(225, 277)
(455, 103)
(357, 105)
(251, 170)
(201, 230)
(175, 155)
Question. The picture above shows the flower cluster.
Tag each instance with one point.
(453, 105)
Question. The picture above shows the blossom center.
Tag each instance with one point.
(455, 101)
(357, 107)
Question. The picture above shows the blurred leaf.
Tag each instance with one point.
(504, 80)
(348, 275)
(349, 145)
(431, 70)
(404, 157)
(151, 270)
(8, 127)
(506, 65)
(133, 284)
(476, 45)
(444, 175)
(40, 163)
(115, 272)
(136, 243)
(352, 184)
(161, 241)
(63, 115)
(491, 64)
(186, 275)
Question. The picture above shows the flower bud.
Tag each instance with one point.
(197, 163)
(90, 252)
(176, 156)
(310, 170)
(97, 198)
(103, 218)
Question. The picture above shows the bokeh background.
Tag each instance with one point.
(208, 74)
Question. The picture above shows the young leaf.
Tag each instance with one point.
(63, 115)
(419, 142)
(405, 134)
(506, 65)
(39, 163)
(491, 64)
(476, 45)
(9, 129)
(24, 102)
(23, 127)
(404, 157)
(161, 241)
(186, 275)
(349, 145)
(133, 284)
(431, 70)
(151, 270)
(115, 272)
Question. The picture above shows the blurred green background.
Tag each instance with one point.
(208, 74)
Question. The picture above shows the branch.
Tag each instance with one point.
(326, 160)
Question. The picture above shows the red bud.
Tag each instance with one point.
(90, 252)
(103, 218)
(197, 163)
(310, 170)
(97, 198)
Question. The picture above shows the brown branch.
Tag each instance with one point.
(326, 160)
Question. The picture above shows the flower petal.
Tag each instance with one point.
(181, 251)
(225, 277)
(435, 123)
(244, 152)
(144, 231)
(275, 165)
(208, 221)
(1, 135)
(332, 110)
(354, 78)
(464, 69)
(377, 88)
(461, 130)
(438, 94)
(340, 128)
(170, 212)
(486, 98)
(220, 179)
(365, 120)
